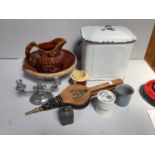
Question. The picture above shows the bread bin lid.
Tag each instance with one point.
(107, 34)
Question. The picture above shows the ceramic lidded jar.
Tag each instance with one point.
(49, 56)
(104, 101)
(80, 77)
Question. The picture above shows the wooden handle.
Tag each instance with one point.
(107, 85)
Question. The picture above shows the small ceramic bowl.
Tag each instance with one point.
(80, 77)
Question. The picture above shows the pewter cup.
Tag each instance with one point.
(123, 94)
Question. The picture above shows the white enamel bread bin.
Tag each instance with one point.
(106, 51)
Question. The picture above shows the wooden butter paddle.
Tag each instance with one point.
(76, 95)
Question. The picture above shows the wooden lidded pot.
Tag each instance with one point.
(49, 56)
(80, 77)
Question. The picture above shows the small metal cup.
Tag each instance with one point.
(123, 94)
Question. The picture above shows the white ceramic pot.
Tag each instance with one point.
(104, 101)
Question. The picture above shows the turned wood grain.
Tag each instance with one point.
(150, 53)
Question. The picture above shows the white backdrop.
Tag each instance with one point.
(16, 34)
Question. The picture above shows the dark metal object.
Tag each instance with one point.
(108, 27)
(66, 115)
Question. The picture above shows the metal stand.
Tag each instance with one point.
(40, 93)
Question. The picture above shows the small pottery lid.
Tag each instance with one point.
(107, 34)
(106, 96)
(79, 75)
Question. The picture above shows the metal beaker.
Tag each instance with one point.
(123, 94)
